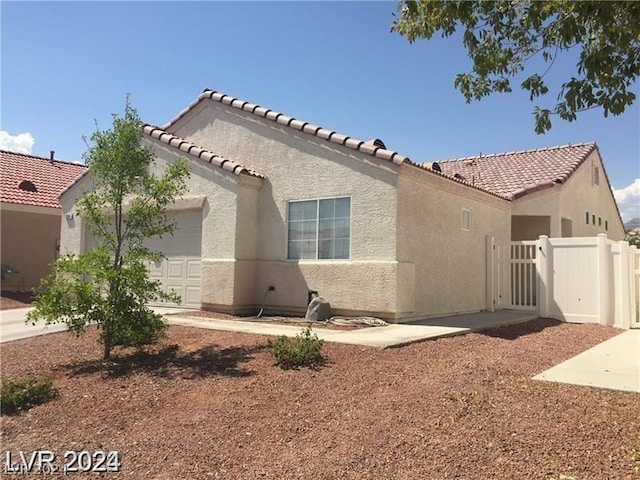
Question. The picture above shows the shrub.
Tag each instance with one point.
(303, 350)
(17, 396)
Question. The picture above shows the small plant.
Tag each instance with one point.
(17, 396)
(303, 350)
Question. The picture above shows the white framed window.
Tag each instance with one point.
(319, 229)
(466, 219)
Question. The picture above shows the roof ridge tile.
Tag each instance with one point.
(519, 152)
(290, 122)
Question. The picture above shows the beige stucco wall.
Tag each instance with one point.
(530, 227)
(572, 200)
(541, 203)
(29, 241)
(298, 166)
(579, 195)
(448, 273)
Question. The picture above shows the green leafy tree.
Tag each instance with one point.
(633, 237)
(501, 37)
(108, 285)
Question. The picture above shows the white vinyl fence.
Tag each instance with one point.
(585, 280)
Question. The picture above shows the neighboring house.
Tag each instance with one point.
(30, 215)
(558, 191)
(277, 202)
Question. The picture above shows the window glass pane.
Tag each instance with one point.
(327, 208)
(295, 211)
(309, 210)
(343, 207)
(325, 229)
(325, 249)
(309, 249)
(341, 249)
(341, 229)
(295, 230)
(309, 230)
(294, 250)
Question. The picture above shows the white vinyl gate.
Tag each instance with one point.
(513, 277)
(576, 279)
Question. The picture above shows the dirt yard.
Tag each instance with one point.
(206, 404)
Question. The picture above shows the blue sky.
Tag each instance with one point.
(335, 64)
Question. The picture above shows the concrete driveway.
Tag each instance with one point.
(13, 327)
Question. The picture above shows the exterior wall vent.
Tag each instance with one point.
(595, 175)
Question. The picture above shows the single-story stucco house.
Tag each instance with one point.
(30, 215)
(277, 207)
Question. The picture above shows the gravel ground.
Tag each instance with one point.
(206, 404)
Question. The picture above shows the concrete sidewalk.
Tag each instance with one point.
(613, 364)
(393, 335)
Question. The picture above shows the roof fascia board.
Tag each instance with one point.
(24, 208)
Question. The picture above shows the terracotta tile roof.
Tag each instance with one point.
(30, 180)
(428, 168)
(515, 174)
(198, 152)
(374, 147)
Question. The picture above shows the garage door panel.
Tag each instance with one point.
(192, 295)
(175, 269)
(181, 270)
(194, 269)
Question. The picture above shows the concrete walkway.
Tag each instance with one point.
(13, 327)
(393, 335)
(613, 364)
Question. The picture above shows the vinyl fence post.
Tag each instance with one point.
(622, 288)
(603, 287)
(545, 275)
(490, 287)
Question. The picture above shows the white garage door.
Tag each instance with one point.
(181, 270)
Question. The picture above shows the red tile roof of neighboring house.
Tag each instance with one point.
(196, 151)
(515, 174)
(30, 180)
(374, 147)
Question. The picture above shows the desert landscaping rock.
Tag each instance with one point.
(209, 404)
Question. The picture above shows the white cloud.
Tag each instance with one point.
(21, 143)
(628, 199)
